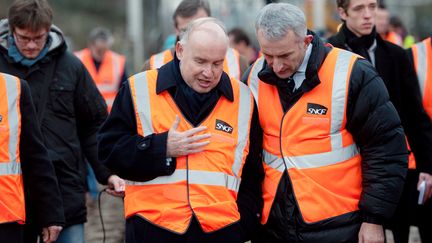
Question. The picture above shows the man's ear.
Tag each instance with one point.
(179, 50)
(342, 14)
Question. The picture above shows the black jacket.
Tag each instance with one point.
(39, 177)
(398, 73)
(138, 158)
(375, 126)
(74, 110)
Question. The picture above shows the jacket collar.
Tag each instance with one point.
(169, 77)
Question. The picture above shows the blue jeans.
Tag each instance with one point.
(92, 183)
(72, 234)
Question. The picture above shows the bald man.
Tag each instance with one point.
(185, 138)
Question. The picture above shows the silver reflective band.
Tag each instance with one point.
(143, 102)
(421, 66)
(311, 160)
(158, 60)
(195, 177)
(10, 168)
(233, 65)
(244, 115)
(14, 121)
(338, 97)
(254, 81)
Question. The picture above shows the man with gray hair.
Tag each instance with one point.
(184, 136)
(333, 148)
(107, 68)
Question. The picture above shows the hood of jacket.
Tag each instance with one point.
(58, 43)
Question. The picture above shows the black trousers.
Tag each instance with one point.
(11, 232)
(410, 213)
(138, 230)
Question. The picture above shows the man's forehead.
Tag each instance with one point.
(355, 3)
(29, 31)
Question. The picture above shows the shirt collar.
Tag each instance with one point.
(303, 66)
(169, 76)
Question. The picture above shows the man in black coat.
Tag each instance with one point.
(393, 65)
(68, 105)
(291, 84)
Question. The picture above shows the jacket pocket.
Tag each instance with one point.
(62, 98)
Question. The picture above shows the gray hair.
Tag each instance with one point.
(101, 34)
(275, 20)
(192, 26)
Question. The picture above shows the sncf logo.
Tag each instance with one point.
(315, 109)
(223, 126)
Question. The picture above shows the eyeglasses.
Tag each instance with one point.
(25, 40)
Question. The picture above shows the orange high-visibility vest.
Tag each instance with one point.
(12, 208)
(422, 55)
(231, 63)
(394, 38)
(204, 184)
(108, 77)
(320, 155)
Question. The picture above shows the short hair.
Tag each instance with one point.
(32, 14)
(239, 35)
(188, 8)
(276, 19)
(192, 26)
(343, 4)
(100, 34)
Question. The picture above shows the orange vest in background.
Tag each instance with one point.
(203, 185)
(12, 207)
(311, 142)
(108, 77)
(231, 63)
(422, 55)
(394, 38)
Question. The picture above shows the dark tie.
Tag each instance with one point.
(290, 84)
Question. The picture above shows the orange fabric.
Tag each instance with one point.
(321, 192)
(394, 38)
(12, 207)
(171, 205)
(427, 91)
(107, 78)
(167, 57)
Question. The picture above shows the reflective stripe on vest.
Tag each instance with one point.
(196, 177)
(108, 77)
(12, 207)
(161, 58)
(231, 63)
(205, 183)
(316, 148)
(422, 56)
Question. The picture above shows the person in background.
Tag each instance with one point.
(410, 211)
(184, 136)
(240, 41)
(334, 153)
(108, 70)
(68, 105)
(393, 65)
(25, 167)
(187, 11)
(383, 26)
(398, 26)
(106, 67)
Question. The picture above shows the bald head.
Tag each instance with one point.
(201, 51)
